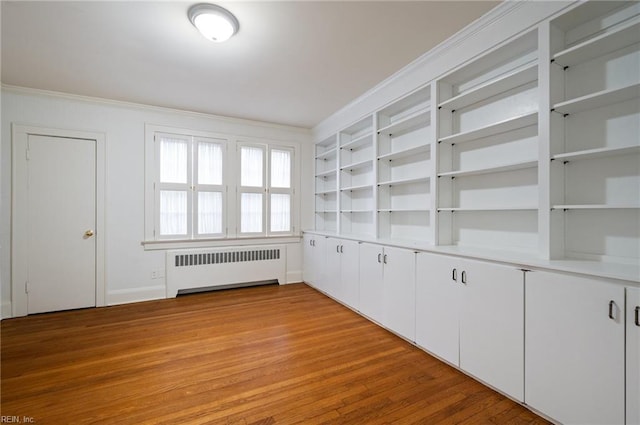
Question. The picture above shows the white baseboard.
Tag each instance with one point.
(294, 276)
(5, 310)
(126, 296)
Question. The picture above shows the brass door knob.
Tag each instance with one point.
(88, 233)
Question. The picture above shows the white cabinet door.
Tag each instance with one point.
(470, 314)
(349, 273)
(492, 325)
(309, 258)
(371, 282)
(437, 306)
(633, 356)
(332, 267)
(574, 344)
(399, 291)
(320, 260)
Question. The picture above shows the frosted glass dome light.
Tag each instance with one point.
(214, 22)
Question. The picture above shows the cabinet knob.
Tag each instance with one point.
(637, 315)
(379, 257)
(464, 277)
(384, 259)
(454, 275)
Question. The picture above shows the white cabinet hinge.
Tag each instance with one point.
(26, 287)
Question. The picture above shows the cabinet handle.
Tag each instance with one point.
(464, 277)
(611, 304)
(338, 249)
(379, 257)
(637, 315)
(454, 275)
(341, 249)
(384, 259)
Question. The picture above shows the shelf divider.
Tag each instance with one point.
(518, 77)
(598, 99)
(487, 170)
(598, 46)
(510, 124)
(597, 153)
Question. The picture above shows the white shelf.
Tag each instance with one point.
(356, 165)
(327, 173)
(406, 152)
(358, 141)
(404, 210)
(597, 153)
(417, 119)
(495, 169)
(403, 181)
(357, 187)
(619, 38)
(327, 154)
(520, 76)
(500, 127)
(327, 212)
(596, 100)
(356, 211)
(596, 207)
(491, 208)
(326, 192)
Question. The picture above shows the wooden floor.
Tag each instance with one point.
(264, 355)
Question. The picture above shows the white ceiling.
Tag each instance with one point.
(292, 62)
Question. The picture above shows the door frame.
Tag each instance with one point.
(19, 224)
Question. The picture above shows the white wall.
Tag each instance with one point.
(128, 265)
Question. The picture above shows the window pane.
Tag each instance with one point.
(251, 213)
(251, 166)
(209, 212)
(209, 163)
(280, 213)
(280, 168)
(173, 160)
(173, 212)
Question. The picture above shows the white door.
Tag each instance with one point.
(61, 221)
(633, 356)
(399, 291)
(437, 305)
(574, 342)
(492, 325)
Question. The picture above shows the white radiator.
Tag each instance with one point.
(199, 269)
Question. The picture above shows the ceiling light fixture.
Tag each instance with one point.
(214, 22)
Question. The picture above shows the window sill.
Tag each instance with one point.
(207, 243)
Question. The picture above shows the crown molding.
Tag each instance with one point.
(150, 108)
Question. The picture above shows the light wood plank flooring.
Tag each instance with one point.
(263, 355)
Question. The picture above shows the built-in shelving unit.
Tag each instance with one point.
(404, 168)
(594, 141)
(488, 150)
(531, 148)
(326, 185)
(357, 178)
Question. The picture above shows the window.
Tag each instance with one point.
(203, 186)
(189, 191)
(265, 189)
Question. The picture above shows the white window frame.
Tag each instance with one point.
(281, 190)
(231, 192)
(266, 189)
